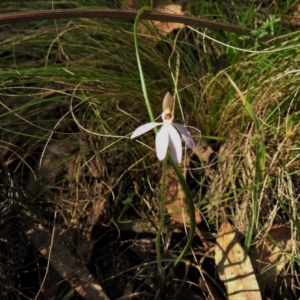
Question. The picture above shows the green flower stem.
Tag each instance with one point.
(177, 170)
(137, 54)
(191, 209)
(161, 213)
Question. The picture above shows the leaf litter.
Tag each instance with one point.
(86, 194)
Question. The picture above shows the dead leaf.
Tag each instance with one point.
(137, 4)
(154, 29)
(128, 3)
(270, 254)
(203, 151)
(234, 265)
(167, 27)
(295, 19)
(175, 201)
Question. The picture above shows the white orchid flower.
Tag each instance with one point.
(168, 136)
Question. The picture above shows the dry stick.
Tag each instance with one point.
(56, 14)
(65, 264)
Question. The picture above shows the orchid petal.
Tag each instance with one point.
(162, 141)
(144, 128)
(175, 144)
(185, 135)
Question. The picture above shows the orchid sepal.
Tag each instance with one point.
(168, 102)
(162, 142)
(186, 135)
(175, 144)
(144, 128)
